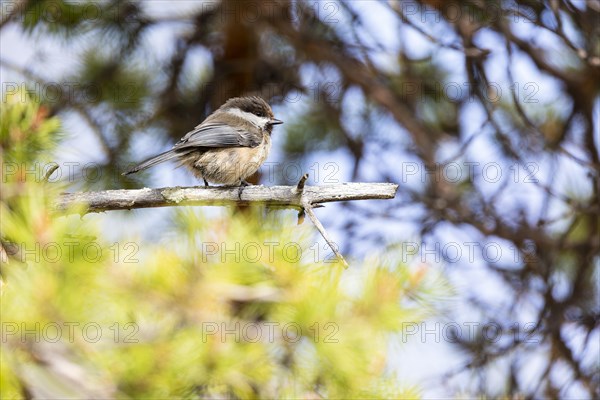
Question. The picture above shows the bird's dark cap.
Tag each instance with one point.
(254, 105)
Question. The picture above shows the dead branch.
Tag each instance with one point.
(301, 197)
(277, 196)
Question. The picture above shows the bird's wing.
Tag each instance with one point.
(215, 135)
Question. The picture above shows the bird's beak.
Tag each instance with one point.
(275, 121)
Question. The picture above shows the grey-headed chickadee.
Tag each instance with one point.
(228, 146)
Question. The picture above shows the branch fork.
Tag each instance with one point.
(307, 208)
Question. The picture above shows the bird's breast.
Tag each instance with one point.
(229, 165)
(260, 153)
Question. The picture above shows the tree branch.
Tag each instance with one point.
(301, 197)
(279, 196)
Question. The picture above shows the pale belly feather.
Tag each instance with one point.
(228, 166)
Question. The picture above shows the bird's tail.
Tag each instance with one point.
(162, 157)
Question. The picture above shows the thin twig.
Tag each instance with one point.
(300, 189)
(48, 174)
(301, 183)
(309, 211)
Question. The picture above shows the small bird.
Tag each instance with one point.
(228, 146)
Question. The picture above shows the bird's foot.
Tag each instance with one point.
(205, 183)
(245, 183)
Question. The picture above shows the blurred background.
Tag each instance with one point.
(485, 112)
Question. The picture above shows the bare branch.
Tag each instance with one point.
(278, 196)
(301, 197)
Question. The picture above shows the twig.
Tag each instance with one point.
(50, 171)
(309, 211)
(301, 183)
(300, 189)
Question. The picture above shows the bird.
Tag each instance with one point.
(227, 147)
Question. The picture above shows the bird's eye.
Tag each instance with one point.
(260, 113)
